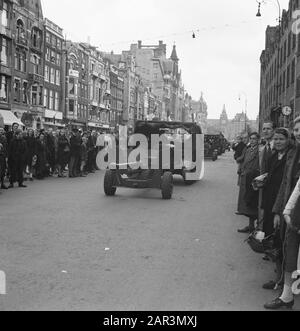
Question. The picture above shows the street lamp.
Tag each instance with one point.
(278, 49)
(263, 2)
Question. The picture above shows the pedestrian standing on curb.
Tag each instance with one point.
(63, 152)
(50, 142)
(238, 147)
(240, 156)
(10, 134)
(75, 144)
(31, 150)
(90, 148)
(95, 151)
(249, 170)
(42, 165)
(292, 219)
(3, 157)
(17, 159)
(277, 163)
(83, 155)
(266, 152)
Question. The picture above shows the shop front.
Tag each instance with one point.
(53, 119)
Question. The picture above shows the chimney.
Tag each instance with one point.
(139, 44)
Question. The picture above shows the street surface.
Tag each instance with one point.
(65, 246)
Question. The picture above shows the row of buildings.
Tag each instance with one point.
(280, 70)
(231, 128)
(48, 81)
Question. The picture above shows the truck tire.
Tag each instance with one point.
(167, 186)
(109, 181)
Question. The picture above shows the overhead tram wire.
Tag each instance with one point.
(193, 33)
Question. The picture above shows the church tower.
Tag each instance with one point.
(224, 121)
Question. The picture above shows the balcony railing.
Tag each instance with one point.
(22, 41)
(36, 78)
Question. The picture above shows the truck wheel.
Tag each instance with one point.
(167, 185)
(109, 181)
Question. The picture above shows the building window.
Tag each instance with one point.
(48, 37)
(58, 59)
(4, 14)
(41, 101)
(47, 54)
(34, 95)
(24, 93)
(59, 44)
(293, 72)
(45, 98)
(57, 77)
(36, 38)
(288, 76)
(289, 43)
(51, 100)
(53, 57)
(4, 85)
(20, 31)
(20, 60)
(47, 73)
(52, 76)
(294, 41)
(4, 52)
(17, 90)
(71, 106)
(35, 62)
(53, 40)
(72, 86)
(56, 106)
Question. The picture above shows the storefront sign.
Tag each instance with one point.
(74, 73)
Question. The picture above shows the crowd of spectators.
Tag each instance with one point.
(269, 170)
(29, 154)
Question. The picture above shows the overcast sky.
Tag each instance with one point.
(222, 61)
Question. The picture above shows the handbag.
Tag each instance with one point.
(261, 246)
(260, 182)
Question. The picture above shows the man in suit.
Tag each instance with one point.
(265, 156)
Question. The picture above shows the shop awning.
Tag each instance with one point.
(9, 118)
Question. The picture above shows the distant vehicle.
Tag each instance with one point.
(213, 146)
(161, 178)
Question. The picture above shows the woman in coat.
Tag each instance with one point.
(292, 238)
(275, 172)
(63, 152)
(42, 166)
(31, 149)
(248, 171)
